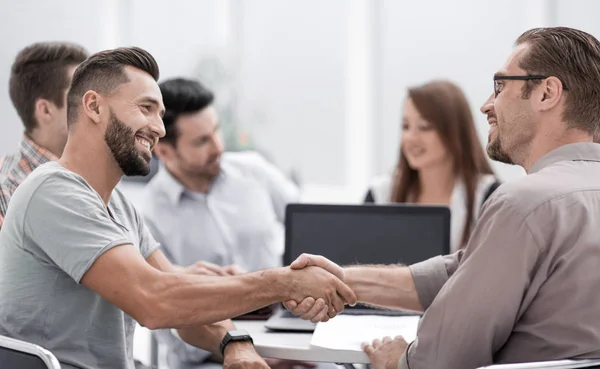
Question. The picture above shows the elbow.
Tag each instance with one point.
(154, 315)
(151, 311)
(150, 321)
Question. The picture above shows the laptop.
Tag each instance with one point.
(362, 234)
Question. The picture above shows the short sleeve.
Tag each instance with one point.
(148, 244)
(157, 235)
(68, 221)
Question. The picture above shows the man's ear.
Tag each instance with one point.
(551, 93)
(43, 111)
(91, 105)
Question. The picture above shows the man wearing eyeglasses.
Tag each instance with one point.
(526, 286)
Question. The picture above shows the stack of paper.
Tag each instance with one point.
(348, 332)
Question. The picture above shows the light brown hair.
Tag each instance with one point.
(573, 56)
(40, 72)
(445, 107)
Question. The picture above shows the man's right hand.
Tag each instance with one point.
(309, 308)
(321, 292)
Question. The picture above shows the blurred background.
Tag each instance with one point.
(316, 86)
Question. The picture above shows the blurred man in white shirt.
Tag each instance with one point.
(219, 211)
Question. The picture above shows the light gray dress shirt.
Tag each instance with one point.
(239, 221)
(526, 286)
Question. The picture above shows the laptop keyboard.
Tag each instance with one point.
(383, 312)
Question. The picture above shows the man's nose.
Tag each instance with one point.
(488, 105)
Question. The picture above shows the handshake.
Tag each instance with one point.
(314, 287)
(318, 289)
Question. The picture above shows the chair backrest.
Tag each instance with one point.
(556, 364)
(16, 354)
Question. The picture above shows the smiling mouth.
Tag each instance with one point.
(415, 151)
(144, 142)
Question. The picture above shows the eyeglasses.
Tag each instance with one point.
(518, 78)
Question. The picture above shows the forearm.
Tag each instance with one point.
(207, 337)
(385, 286)
(185, 301)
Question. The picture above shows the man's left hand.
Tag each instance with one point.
(242, 355)
(385, 353)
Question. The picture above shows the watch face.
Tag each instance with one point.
(238, 333)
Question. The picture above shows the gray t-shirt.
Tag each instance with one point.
(55, 228)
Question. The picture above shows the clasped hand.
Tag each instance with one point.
(330, 296)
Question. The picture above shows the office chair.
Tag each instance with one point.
(555, 364)
(15, 354)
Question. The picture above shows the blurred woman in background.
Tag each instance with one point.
(441, 160)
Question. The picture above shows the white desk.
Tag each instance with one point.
(295, 346)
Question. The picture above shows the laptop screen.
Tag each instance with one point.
(367, 234)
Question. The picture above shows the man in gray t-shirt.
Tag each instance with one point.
(77, 264)
(32, 251)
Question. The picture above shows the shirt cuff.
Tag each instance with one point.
(429, 277)
(403, 362)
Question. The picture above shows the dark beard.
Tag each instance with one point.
(121, 141)
(495, 152)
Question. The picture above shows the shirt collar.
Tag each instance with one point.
(172, 188)
(584, 151)
(34, 152)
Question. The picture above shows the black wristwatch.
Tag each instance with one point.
(234, 336)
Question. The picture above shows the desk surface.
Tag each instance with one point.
(295, 346)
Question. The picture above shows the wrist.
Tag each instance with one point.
(233, 348)
(352, 277)
(233, 337)
(278, 282)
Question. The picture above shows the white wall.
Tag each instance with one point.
(179, 33)
(293, 70)
(581, 14)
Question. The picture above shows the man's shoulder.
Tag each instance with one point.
(158, 189)
(9, 162)
(51, 178)
(247, 165)
(155, 198)
(527, 194)
(11, 175)
(243, 160)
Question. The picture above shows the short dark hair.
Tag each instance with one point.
(40, 72)
(573, 56)
(181, 96)
(104, 71)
